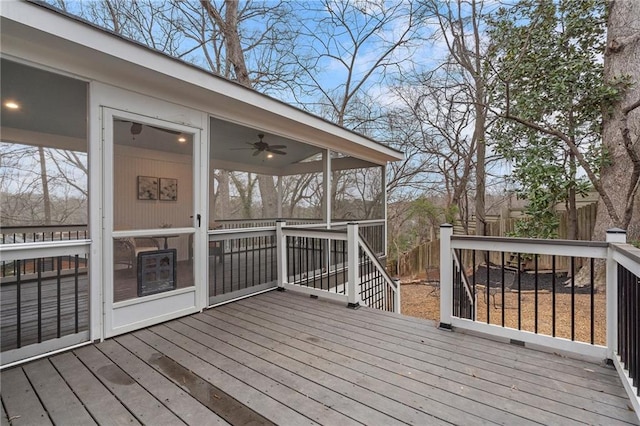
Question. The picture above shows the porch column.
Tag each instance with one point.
(384, 200)
(614, 236)
(281, 254)
(446, 275)
(353, 296)
(326, 182)
(279, 201)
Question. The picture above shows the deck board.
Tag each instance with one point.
(470, 400)
(244, 392)
(138, 401)
(103, 406)
(414, 344)
(172, 396)
(441, 363)
(278, 368)
(4, 420)
(363, 375)
(57, 398)
(284, 358)
(21, 401)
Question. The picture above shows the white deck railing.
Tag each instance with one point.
(481, 261)
(335, 264)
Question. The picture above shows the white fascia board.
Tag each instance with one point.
(226, 99)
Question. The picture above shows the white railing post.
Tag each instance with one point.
(446, 275)
(353, 296)
(398, 303)
(614, 235)
(281, 253)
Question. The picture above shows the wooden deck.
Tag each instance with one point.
(281, 358)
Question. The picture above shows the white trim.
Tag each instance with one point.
(128, 315)
(323, 294)
(446, 275)
(632, 391)
(110, 58)
(19, 251)
(152, 297)
(594, 352)
(561, 248)
(315, 233)
(228, 234)
(618, 253)
(42, 350)
(223, 299)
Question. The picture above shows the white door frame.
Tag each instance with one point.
(124, 316)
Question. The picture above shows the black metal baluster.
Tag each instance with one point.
(76, 289)
(335, 251)
(488, 291)
(59, 296)
(535, 293)
(502, 269)
(519, 291)
(215, 266)
(592, 306)
(18, 305)
(344, 270)
(473, 278)
(553, 296)
(39, 266)
(573, 298)
(620, 324)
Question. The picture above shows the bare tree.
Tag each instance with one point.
(460, 29)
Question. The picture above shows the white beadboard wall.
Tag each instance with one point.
(131, 213)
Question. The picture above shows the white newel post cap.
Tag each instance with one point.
(616, 235)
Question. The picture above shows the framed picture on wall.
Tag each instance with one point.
(168, 189)
(147, 188)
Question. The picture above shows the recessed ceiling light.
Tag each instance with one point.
(12, 105)
(269, 155)
(182, 139)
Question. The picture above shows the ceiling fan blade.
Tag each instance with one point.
(256, 153)
(277, 146)
(275, 151)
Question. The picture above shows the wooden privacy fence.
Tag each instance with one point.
(427, 255)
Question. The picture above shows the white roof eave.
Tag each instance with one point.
(178, 81)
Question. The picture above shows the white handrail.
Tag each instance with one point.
(19, 251)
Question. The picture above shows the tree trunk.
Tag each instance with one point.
(268, 195)
(46, 199)
(572, 210)
(622, 58)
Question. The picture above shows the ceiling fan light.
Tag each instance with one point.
(269, 155)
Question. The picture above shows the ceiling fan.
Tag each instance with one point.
(261, 146)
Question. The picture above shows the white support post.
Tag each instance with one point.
(279, 202)
(614, 236)
(398, 303)
(326, 187)
(446, 275)
(281, 253)
(353, 296)
(386, 213)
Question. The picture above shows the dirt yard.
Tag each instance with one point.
(421, 298)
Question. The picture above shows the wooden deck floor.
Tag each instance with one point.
(281, 358)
